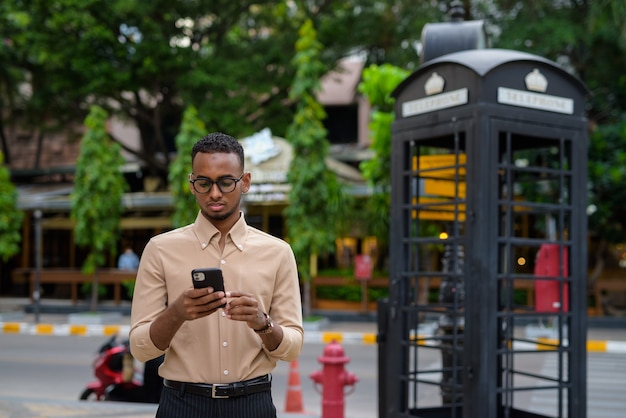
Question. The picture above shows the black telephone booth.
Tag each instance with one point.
(488, 241)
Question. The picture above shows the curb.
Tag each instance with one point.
(320, 337)
(93, 330)
(593, 346)
(326, 337)
(63, 329)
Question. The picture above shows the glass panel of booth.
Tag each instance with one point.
(534, 181)
(533, 273)
(434, 205)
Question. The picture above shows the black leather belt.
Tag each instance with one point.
(228, 390)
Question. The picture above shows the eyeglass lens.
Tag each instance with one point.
(204, 185)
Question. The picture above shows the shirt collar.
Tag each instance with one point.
(205, 231)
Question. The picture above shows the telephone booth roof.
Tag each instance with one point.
(484, 71)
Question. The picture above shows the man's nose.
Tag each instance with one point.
(215, 190)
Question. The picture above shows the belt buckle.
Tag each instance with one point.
(214, 394)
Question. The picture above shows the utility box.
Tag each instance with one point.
(489, 172)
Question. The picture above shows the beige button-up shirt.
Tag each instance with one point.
(216, 349)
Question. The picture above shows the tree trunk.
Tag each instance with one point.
(40, 137)
(306, 289)
(94, 293)
(598, 267)
(5, 145)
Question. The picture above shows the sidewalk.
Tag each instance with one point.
(16, 317)
(57, 317)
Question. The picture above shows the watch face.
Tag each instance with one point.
(269, 326)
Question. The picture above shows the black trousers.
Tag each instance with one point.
(175, 404)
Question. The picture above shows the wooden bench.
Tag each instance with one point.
(75, 277)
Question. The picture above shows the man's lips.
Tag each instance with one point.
(215, 206)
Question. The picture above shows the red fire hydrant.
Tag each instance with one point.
(333, 377)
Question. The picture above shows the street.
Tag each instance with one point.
(39, 368)
(58, 368)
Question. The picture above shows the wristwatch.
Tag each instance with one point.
(269, 326)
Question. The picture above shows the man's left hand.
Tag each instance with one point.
(243, 306)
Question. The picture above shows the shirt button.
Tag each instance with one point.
(223, 313)
(204, 244)
(225, 344)
(222, 261)
(225, 372)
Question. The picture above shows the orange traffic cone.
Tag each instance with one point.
(293, 401)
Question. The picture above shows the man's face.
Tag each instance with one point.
(220, 207)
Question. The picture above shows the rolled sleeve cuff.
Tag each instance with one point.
(290, 347)
(141, 346)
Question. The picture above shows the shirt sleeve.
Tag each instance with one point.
(286, 310)
(149, 300)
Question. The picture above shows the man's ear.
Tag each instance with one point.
(191, 189)
(246, 180)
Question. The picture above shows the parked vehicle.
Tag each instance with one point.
(119, 378)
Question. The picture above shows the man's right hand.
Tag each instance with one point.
(198, 303)
(191, 304)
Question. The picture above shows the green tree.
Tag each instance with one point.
(315, 198)
(378, 82)
(141, 61)
(10, 217)
(589, 40)
(191, 130)
(96, 200)
(607, 171)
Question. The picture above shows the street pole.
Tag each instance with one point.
(38, 256)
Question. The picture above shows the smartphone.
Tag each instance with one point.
(205, 277)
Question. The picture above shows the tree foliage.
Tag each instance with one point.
(10, 217)
(96, 201)
(378, 82)
(587, 38)
(144, 61)
(607, 171)
(315, 196)
(191, 130)
(141, 60)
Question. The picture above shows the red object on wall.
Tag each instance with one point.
(363, 267)
(547, 293)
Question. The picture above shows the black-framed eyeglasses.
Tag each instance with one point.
(204, 185)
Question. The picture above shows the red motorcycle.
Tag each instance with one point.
(118, 378)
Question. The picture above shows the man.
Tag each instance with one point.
(217, 360)
(128, 260)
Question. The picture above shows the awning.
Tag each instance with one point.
(56, 198)
(269, 184)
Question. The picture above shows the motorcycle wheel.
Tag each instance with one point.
(88, 395)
